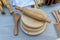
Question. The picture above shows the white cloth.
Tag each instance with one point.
(23, 3)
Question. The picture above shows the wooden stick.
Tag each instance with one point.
(1, 9)
(54, 14)
(7, 5)
(36, 4)
(58, 16)
(33, 14)
(57, 25)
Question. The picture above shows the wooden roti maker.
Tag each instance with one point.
(33, 20)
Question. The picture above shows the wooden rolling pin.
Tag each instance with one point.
(6, 3)
(1, 9)
(33, 14)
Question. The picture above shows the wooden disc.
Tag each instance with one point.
(31, 29)
(33, 33)
(32, 23)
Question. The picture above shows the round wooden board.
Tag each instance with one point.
(32, 23)
(31, 29)
(33, 33)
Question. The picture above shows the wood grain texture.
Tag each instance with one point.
(16, 19)
(8, 6)
(34, 14)
(1, 8)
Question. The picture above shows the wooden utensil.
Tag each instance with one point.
(6, 3)
(57, 13)
(57, 25)
(36, 4)
(1, 9)
(16, 18)
(56, 16)
(33, 14)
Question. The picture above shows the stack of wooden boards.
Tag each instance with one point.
(31, 26)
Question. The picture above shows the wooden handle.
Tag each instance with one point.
(33, 14)
(10, 9)
(54, 14)
(58, 16)
(1, 9)
(57, 27)
(16, 30)
(6, 3)
(36, 4)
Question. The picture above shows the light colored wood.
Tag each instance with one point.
(57, 25)
(1, 9)
(54, 14)
(30, 22)
(33, 14)
(58, 15)
(31, 29)
(6, 4)
(36, 4)
(33, 33)
(16, 18)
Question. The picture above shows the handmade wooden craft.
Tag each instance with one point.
(1, 8)
(16, 19)
(57, 25)
(33, 20)
(34, 13)
(6, 3)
